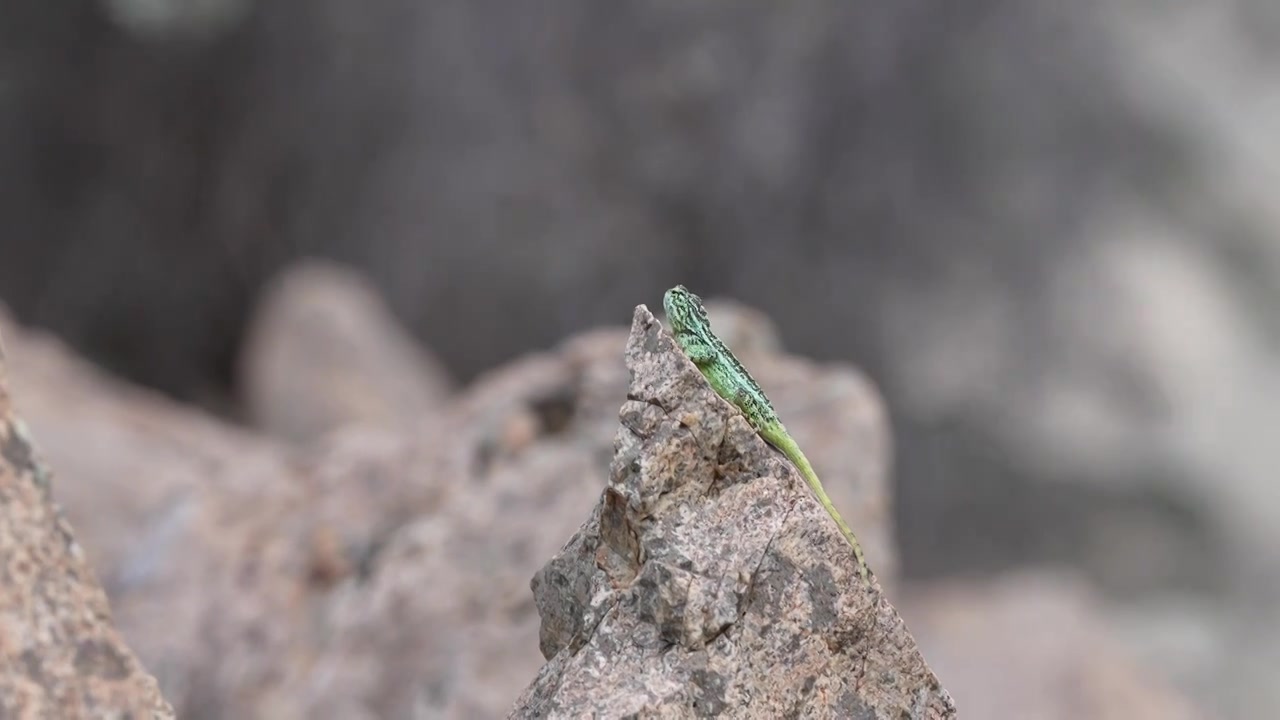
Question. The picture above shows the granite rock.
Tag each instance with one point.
(381, 569)
(60, 655)
(708, 581)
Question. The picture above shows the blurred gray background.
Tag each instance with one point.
(1046, 230)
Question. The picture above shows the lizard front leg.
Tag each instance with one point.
(701, 353)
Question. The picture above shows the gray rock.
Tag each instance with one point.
(379, 572)
(708, 581)
(60, 655)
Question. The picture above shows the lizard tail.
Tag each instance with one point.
(784, 442)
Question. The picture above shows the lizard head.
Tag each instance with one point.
(684, 309)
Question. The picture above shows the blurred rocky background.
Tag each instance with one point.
(1043, 230)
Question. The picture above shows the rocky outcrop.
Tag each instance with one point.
(383, 567)
(218, 547)
(59, 654)
(708, 581)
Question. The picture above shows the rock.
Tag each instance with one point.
(1034, 645)
(442, 621)
(131, 463)
(380, 571)
(219, 550)
(310, 566)
(59, 654)
(708, 580)
(836, 415)
(324, 351)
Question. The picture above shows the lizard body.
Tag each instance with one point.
(731, 381)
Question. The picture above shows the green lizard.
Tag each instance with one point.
(727, 376)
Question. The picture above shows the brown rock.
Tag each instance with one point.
(131, 463)
(709, 581)
(219, 550)
(443, 620)
(1033, 645)
(181, 518)
(59, 654)
(838, 418)
(383, 571)
(324, 351)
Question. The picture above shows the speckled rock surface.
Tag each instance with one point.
(708, 581)
(60, 657)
